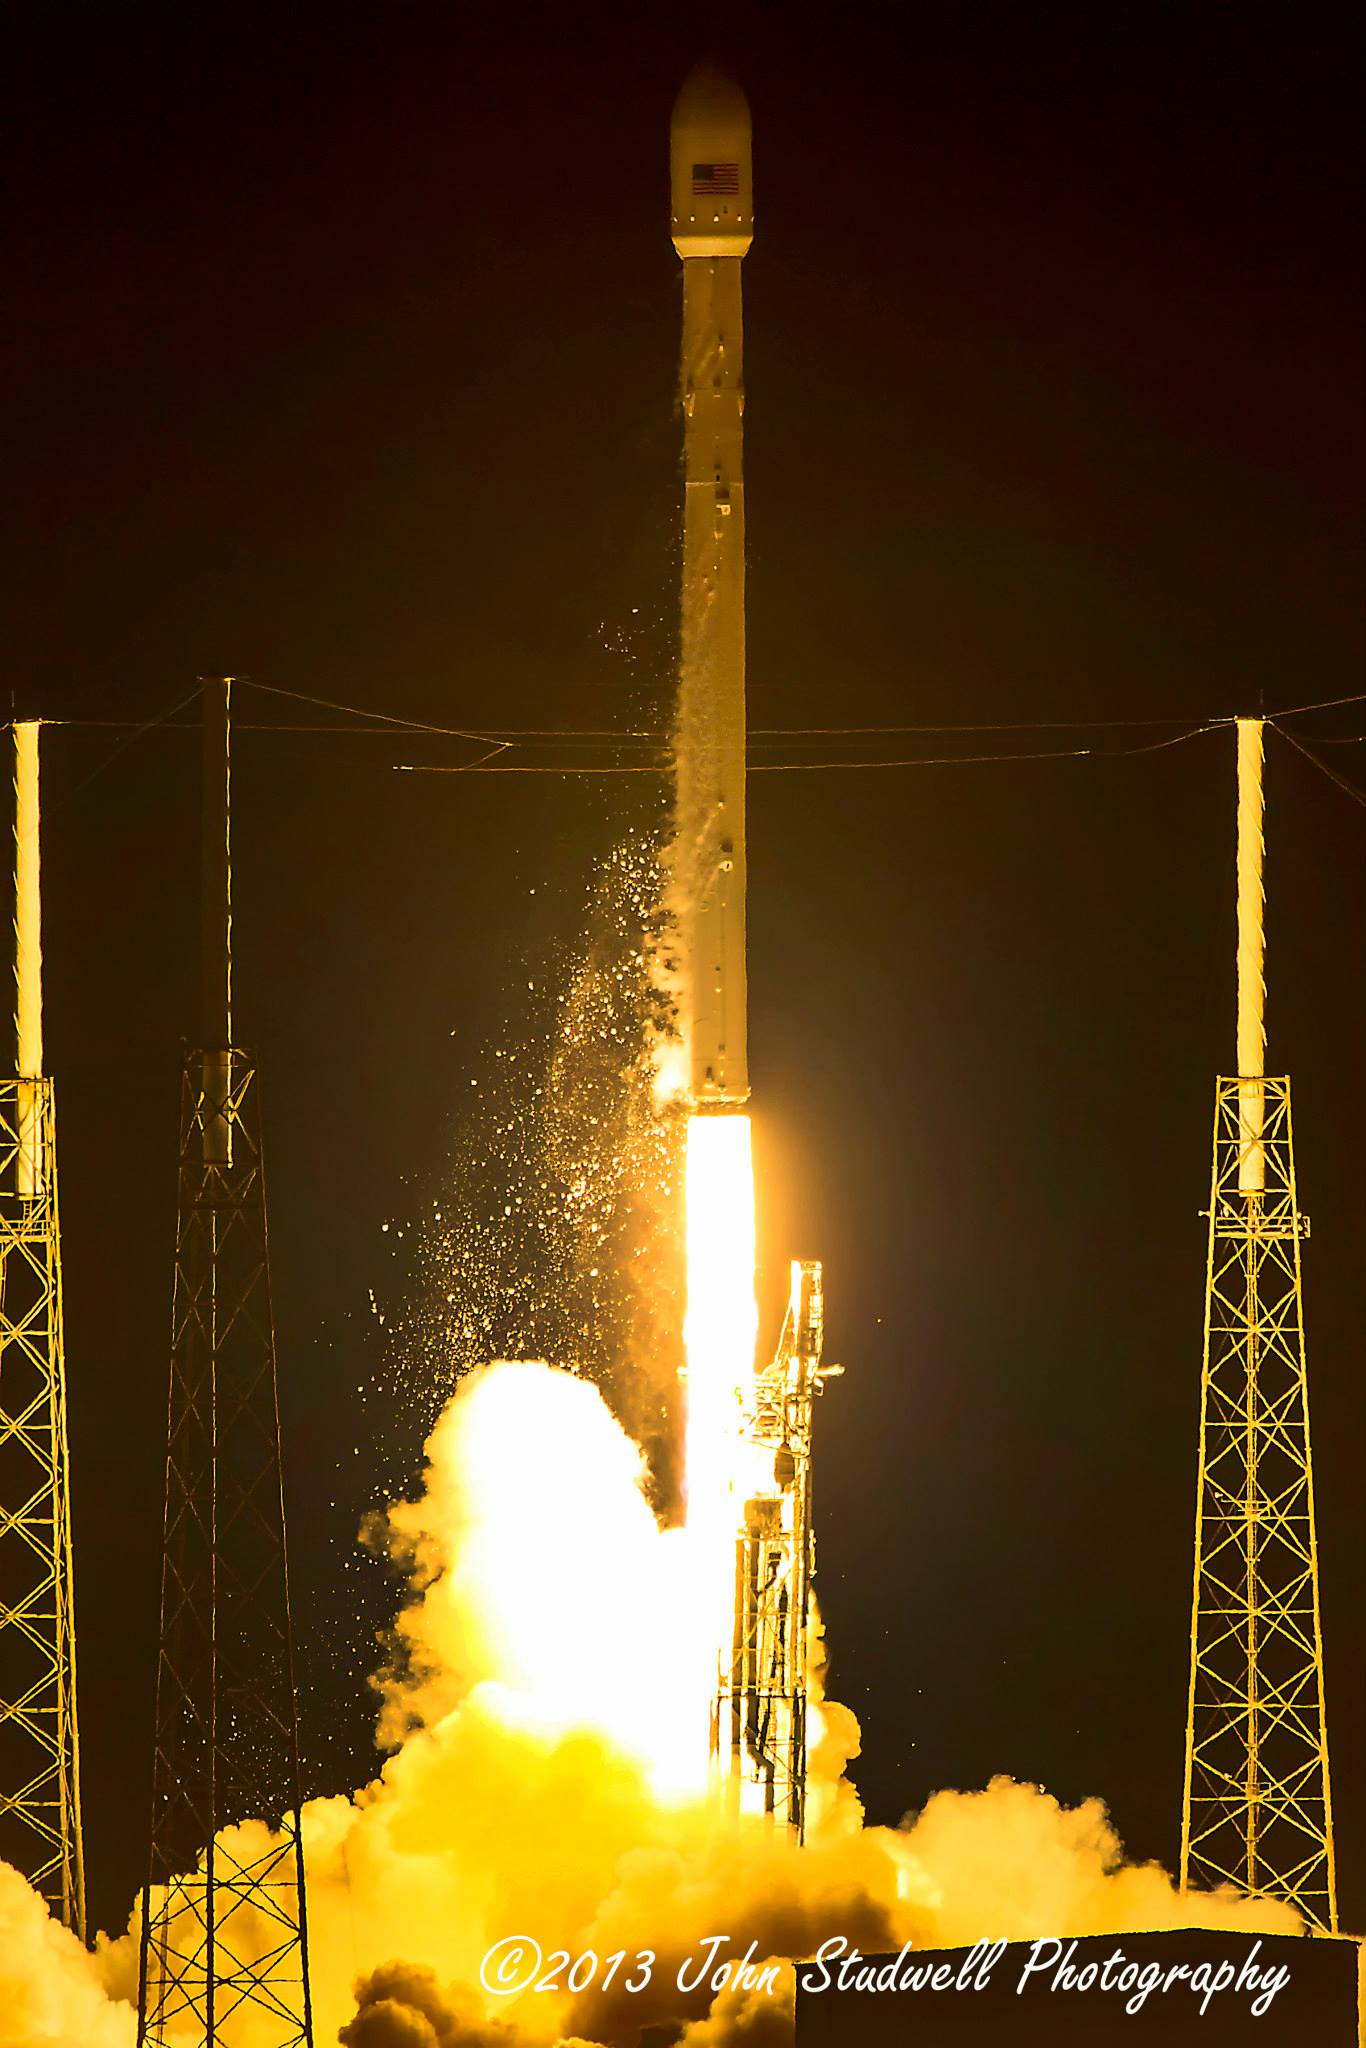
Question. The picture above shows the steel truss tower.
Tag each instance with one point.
(1257, 1807)
(40, 1807)
(224, 1934)
(759, 1721)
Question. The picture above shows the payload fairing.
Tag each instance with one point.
(713, 224)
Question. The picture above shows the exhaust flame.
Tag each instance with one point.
(561, 1621)
(722, 1319)
(719, 1332)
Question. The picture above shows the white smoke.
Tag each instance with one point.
(524, 1796)
(51, 1989)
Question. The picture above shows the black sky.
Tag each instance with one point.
(340, 351)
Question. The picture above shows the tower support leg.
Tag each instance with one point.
(40, 1802)
(1257, 1807)
(224, 1929)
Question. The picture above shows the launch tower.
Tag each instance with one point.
(1257, 1807)
(759, 1732)
(224, 1936)
(40, 1804)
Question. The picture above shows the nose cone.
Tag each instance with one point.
(712, 177)
(710, 97)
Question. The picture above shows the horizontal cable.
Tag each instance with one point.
(808, 767)
(1358, 796)
(384, 724)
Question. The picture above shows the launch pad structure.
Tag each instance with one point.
(759, 1728)
(224, 1948)
(40, 1800)
(1257, 1806)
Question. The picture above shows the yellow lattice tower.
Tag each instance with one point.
(1257, 1807)
(40, 1811)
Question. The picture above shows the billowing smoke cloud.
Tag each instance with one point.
(535, 1792)
(402, 2007)
(51, 1994)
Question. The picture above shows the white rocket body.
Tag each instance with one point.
(713, 223)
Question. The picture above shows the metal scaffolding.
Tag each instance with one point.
(40, 1805)
(224, 1954)
(1257, 1804)
(759, 1721)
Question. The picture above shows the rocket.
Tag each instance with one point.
(713, 224)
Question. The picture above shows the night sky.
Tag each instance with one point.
(340, 354)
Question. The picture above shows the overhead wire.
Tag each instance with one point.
(148, 725)
(806, 767)
(384, 718)
(1358, 796)
(499, 742)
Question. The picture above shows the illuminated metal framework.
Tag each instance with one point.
(40, 1808)
(1258, 1806)
(224, 1941)
(759, 1723)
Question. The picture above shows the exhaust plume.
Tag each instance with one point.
(531, 1794)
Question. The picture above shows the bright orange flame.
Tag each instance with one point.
(719, 1332)
(557, 1596)
(615, 1625)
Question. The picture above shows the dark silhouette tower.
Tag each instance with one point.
(224, 1932)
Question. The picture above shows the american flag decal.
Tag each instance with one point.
(715, 180)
